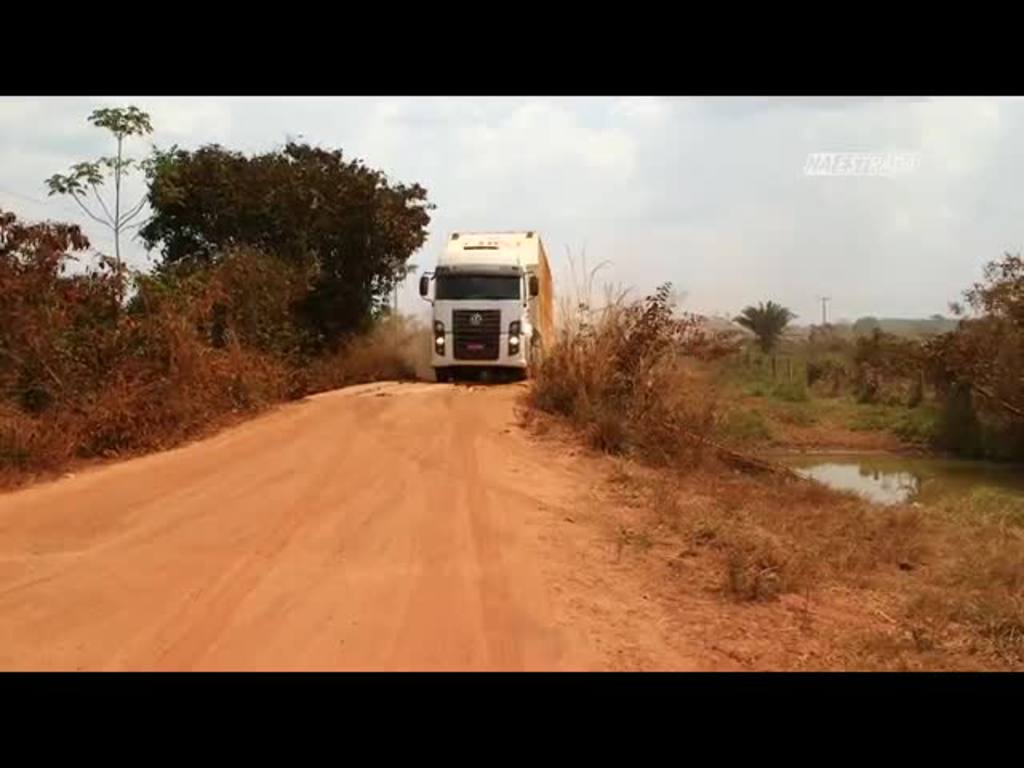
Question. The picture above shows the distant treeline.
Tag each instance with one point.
(896, 326)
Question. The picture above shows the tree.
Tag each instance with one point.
(767, 322)
(43, 312)
(882, 360)
(89, 176)
(343, 225)
(1001, 294)
(986, 351)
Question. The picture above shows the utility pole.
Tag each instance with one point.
(824, 309)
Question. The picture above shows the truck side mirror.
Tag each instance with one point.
(534, 285)
(424, 285)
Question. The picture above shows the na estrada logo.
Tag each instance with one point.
(861, 163)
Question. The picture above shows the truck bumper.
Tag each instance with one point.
(504, 359)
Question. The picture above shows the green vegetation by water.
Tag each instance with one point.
(787, 399)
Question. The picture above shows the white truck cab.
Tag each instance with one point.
(491, 303)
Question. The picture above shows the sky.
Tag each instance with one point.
(709, 194)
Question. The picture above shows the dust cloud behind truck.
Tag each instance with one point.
(493, 303)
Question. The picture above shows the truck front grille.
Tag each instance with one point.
(477, 333)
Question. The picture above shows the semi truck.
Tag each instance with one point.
(492, 304)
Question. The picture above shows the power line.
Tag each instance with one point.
(10, 191)
(52, 203)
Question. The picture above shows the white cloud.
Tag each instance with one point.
(176, 120)
(641, 108)
(707, 193)
(535, 136)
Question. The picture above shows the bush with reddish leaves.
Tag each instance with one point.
(84, 375)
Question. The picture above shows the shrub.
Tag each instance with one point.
(621, 373)
(791, 391)
(83, 376)
(744, 426)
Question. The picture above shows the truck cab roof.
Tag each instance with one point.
(481, 248)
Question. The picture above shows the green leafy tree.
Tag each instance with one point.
(86, 177)
(346, 227)
(767, 322)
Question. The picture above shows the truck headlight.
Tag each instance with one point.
(514, 330)
(439, 337)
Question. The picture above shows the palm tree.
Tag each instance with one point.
(766, 321)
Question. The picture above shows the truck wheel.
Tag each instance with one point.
(442, 375)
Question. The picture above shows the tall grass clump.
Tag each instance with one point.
(623, 374)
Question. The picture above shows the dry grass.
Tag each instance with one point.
(29, 444)
(975, 597)
(140, 409)
(921, 588)
(623, 374)
(199, 389)
(952, 577)
(772, 536)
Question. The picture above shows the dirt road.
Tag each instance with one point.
(393, 527)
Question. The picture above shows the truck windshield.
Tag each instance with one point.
(477, 287)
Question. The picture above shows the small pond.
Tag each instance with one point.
(890, 479)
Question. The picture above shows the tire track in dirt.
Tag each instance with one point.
(385, 527)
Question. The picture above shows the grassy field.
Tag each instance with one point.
(804, 576)
(758, 410)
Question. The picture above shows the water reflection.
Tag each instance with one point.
(869, 482)
(895, 479)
